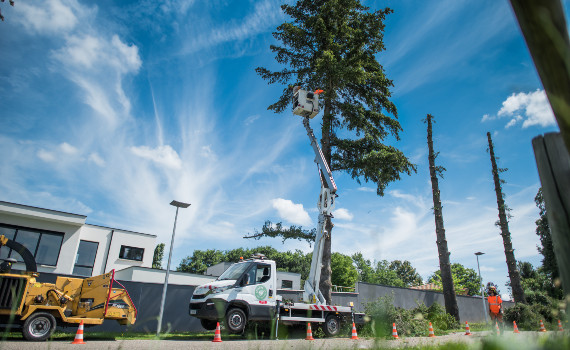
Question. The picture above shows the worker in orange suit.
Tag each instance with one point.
(495, 306)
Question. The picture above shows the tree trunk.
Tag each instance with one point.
(514, 275)
(326, 271)
(444, 264)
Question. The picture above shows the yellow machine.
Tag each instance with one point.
(40, 307)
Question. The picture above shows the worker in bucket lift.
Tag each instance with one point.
(495, 306)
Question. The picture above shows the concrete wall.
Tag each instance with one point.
(147, 296)
(148, 275)
(470, 308)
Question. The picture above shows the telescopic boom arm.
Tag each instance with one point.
(306, 104)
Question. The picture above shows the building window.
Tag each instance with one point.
(44, 245)
(286, 284)
(85, 258)
(131, 253)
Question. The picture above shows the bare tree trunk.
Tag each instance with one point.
(503, 223)
(444, 264)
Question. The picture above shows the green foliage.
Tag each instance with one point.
(538, 285)
(290, 261)
(333, 45)
(277, 230)
(200, 261)
(343, 271)
(157, 257)
(464, 279)
(396, 273)
(409, 322)
(543, 231)
(406, 272)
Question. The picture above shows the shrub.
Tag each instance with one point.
(409, 322)
(526, 316)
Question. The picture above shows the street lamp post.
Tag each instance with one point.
(482, 294)
(178, 205)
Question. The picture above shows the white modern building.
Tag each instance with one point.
(62, 243)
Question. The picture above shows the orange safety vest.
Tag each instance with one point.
(494, 304)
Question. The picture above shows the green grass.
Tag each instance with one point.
(61, 336)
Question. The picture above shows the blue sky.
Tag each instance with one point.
(113, 109)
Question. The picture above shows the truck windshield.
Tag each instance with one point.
(234, 271)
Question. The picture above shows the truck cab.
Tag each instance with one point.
(246, 291)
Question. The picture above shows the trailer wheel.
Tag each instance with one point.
(236, 320)
(209, 325)
(331, 326)
(39, 326)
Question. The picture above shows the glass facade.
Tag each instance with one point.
(85, 258)
(44, 245)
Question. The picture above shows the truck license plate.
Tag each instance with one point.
(193, 312)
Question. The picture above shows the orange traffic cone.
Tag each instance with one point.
(354, 335)
(217, 334)
(497, 328)
(394, 331)
(516, 329)
(467, 330)
(309, 332)
(79, 335)
(560, 326)
(431, 334)
(542, 329)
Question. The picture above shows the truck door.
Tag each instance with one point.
(258, 291)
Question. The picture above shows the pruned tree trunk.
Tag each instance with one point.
(503, 223)
(326, 271)
(444, 263)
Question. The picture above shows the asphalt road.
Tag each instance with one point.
(525, 338)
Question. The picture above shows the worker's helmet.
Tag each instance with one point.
(491, 288)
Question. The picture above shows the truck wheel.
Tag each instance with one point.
(39, 326)
(331, 326)
(209, 325)
(236, 321)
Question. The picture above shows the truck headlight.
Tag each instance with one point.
(217, 290)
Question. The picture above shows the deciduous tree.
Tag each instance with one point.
(157, 257)
(464, 279)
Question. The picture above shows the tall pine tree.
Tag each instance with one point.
(332, 45)
(503, 223)
(449, 297)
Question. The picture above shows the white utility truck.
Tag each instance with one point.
(247, 290)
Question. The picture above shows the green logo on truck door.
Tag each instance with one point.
(260, 292)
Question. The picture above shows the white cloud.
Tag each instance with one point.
(343, 214)
(96, 158)
(68, 149)
(532, 107)
(513, 121)
(265, 15)
(207, 152)
(45, 155)
(487, 117)
(163, 155)
(291, 212)
(251, 119)
(366, 189)
(54, 16)
(488, 269)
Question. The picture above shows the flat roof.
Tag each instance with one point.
(120, 229)
(56, 215)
